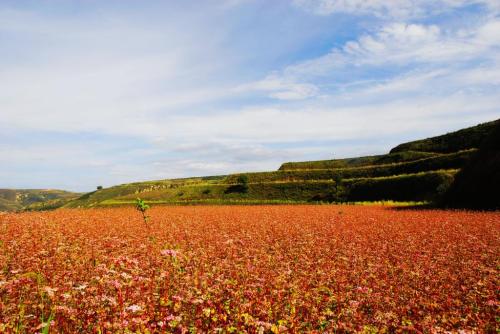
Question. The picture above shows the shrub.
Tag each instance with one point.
(411, 187)
(141, 206)
(241, 187)
(243, 179)
(237, 188)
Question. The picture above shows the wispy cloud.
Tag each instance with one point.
(279, 87)
(164, 90)
(401, 44)
(394, 9)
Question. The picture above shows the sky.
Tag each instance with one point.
(104, 92)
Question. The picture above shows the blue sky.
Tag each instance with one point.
(108, 92)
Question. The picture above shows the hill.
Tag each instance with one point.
(32, 199)
(476, 185)
(407, 173)
(358, 161)
(451, 142)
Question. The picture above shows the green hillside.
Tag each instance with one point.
(451, 142)
(27, 199)
(421, 170)
(478, 183)
(437, 162)
(151, 190)
(359, 161)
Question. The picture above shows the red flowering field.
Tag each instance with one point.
(250, 269)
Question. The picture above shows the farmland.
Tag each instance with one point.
(249, 269)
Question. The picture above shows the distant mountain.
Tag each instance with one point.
(421, 170)
(22, 199)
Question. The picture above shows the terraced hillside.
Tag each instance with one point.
(359, 161)
(407, 173)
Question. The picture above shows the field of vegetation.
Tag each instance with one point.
(255, 269)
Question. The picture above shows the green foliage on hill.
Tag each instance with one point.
(412, 187)
(47, 205)
(358, 162)
(477, 185)
(6, 205)
(408, 173)
(437, 162)
(296, 191)
(451, 142)
(287, 191)
(147, 190)
(22, 199)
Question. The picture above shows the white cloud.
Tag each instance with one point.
(280, 88)
(406, 44)
(360, 121)
(396, 9)
(178, 93)
(103, 75)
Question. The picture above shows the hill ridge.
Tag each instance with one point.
(412, 175)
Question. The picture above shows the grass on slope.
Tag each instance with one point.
(412, 187)
(6, 205)
(358, 162)
(288, 185)
(21, 199)
(451, 142)
(425, 186)
(442, 161)
(141, 189)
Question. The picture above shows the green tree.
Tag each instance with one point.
(338, 188)
(243, 183)
(240, 187)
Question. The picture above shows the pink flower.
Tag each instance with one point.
(363, 289)
(134, 308)
(116, 284)
(50, 291)
(173, 318)
(197, 301)
(169, 252)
